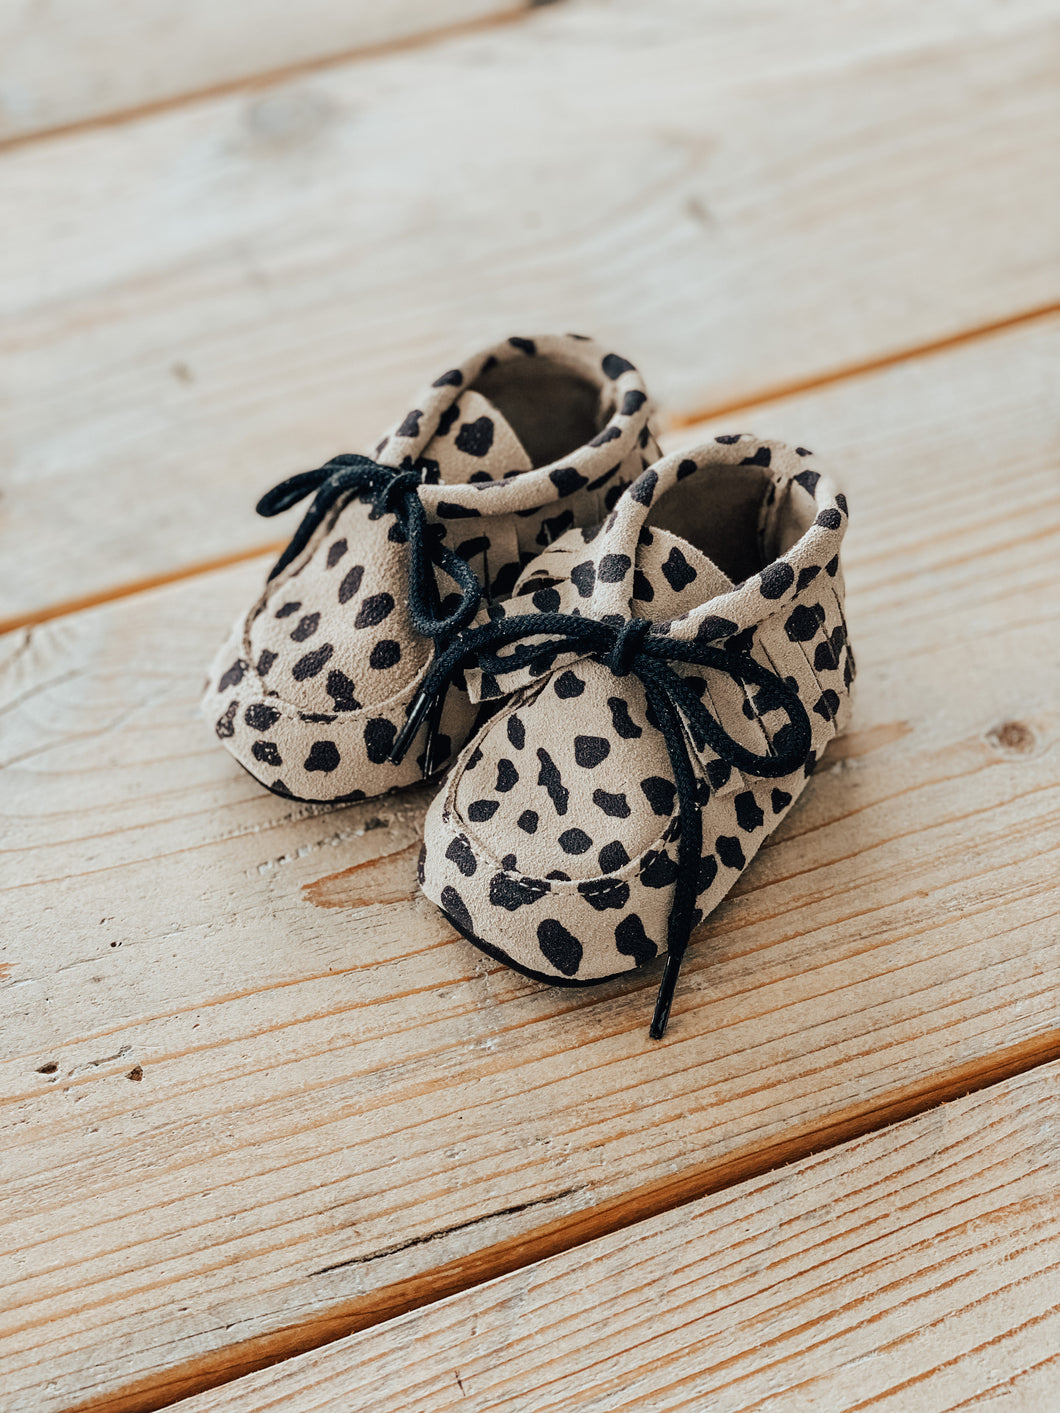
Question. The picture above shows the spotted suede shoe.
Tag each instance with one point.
(668, 681)
(497, 458)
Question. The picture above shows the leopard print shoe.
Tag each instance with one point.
(498, 457)
(668, 680)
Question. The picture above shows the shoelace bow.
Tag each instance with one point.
(396, 492)
(630, 648)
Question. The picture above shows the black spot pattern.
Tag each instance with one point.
(478, 811)
(559, 946)
(567, 480)
(583, 577)
(453, 904)
(446, 420)
(459, 852)
(614, 366)
(605, 894)
(475, 438)
(827, 654)
(410, 427)
(513, 893)
(589, 751)
(621, 721)
(374, 610)
(386, 653)
(827, 705)
(613, 568)
(340, 690)
(659, 793)
(267, 752)
(575, 841)
(379, 736)
(449, 510)
(516, 731)
(615, 806)
(233, 676)
(265, 662)
(658, 870)
(528, 821)
(632, 940)
(776, 579)
(730, 851)
(259, 716)
(568, 685)
(613, 856)
(642, 588)
(803, 621)
(307, 626)
(335, 552)
(549, 776)
(507, 775)
(643, 488)
(708, 871)
(312, 663)
(749, 814)
(677, 570)
(351, 583)
(780, 800)
(323, 756)
(287, 610)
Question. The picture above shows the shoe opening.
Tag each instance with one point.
(551, 409)
(735, 515)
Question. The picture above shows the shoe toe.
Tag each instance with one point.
(552, 845)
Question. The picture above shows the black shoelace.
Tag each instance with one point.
(395, 492)
(630, 648)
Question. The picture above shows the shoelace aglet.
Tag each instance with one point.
(417, 710)
(664, 1000)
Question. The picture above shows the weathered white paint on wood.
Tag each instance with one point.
(918, 1268)
(72, 61)
(196, 305)
(256, 1094)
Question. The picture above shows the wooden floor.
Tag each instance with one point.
(272, 1136)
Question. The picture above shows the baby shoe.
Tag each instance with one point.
(668, 681)
(497, 458)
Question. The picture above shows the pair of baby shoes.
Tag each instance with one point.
(634, 660)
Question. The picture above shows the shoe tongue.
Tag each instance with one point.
(475, 443)
(682, 578)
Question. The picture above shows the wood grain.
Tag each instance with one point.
(917, 1268)
(198, 304)
(342, 1113)
(77, 61)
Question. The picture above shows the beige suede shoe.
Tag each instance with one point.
(498, 457)
(670, 679)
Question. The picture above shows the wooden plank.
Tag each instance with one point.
(916, 1268)
(197, 304)
(241, 1118)
(75, 62)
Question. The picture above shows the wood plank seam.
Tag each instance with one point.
(672, 421)
(282, 74)
(948, 1197)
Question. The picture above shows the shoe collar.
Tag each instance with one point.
(589, 467)
(606, 559)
